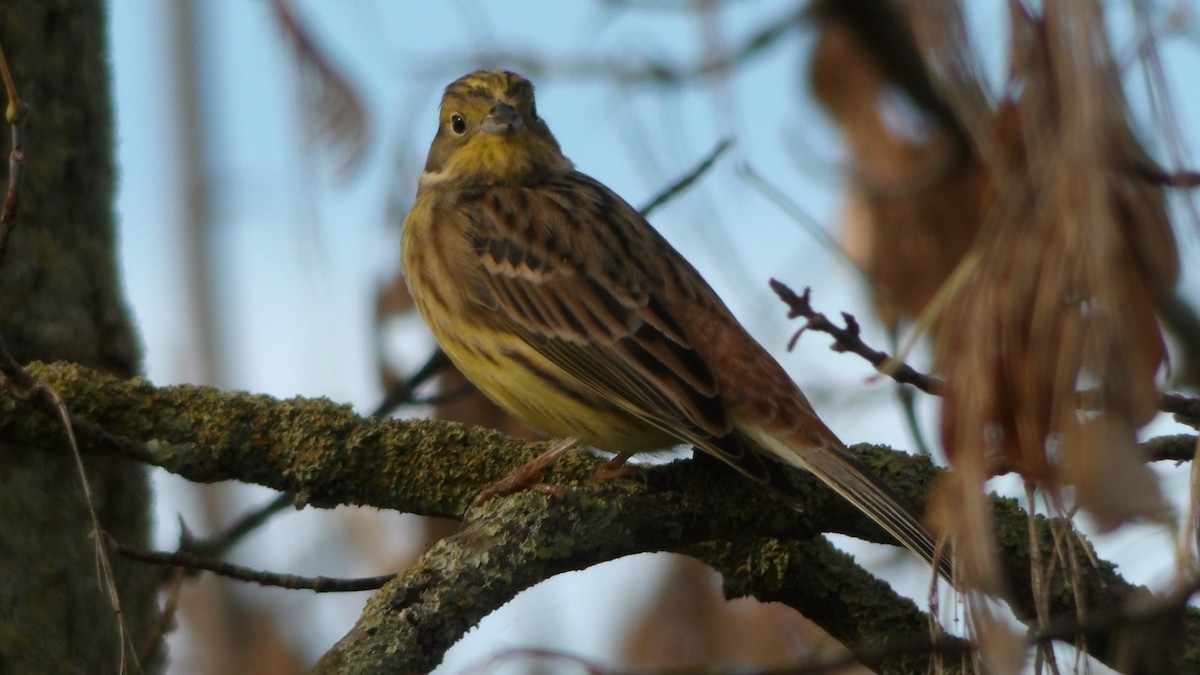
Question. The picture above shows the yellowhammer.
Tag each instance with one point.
(565, 307)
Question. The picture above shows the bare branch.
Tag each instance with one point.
(685, 181)
(1186, 409)
(15, 113)
(848, 339)
(1173, 448)
(190, 561)
(217, 546)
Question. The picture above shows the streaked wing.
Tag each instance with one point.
(576, 271)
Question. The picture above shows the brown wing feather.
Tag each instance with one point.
(554, 281)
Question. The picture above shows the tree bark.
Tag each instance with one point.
(60, 299)
(327, 455)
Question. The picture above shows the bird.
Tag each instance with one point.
(564, 306)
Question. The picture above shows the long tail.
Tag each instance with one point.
(847, 476)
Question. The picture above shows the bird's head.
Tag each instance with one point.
(489, 132)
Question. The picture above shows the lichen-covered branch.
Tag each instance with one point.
(328, 455)
(813, 576)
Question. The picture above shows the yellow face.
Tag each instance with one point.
(489, 133)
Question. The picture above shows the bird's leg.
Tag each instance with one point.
(613, 468)
(529, 475)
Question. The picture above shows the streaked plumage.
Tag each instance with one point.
(564, 306)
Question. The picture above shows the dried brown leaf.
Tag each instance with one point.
(334, 114)
(915, 203)
(1060, 290)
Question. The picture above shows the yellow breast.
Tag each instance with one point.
(438, 265)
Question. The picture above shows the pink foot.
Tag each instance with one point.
(528, 476)
(612, 469)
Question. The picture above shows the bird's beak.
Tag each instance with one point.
(502, 119)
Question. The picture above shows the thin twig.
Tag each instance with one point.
(15, 113)
(191, 561)
(908, 406)
(166, 618)
(685, 181)
(810, 224)
(403, 391)
(635, 69)
(1186, 409)
(218, 545)
(848, 339)
(1183, 179)
(443, 398)
(521, 656)
(1139, 610)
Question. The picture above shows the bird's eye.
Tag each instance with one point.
(458, 125)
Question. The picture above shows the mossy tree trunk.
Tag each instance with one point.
(60, 299)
